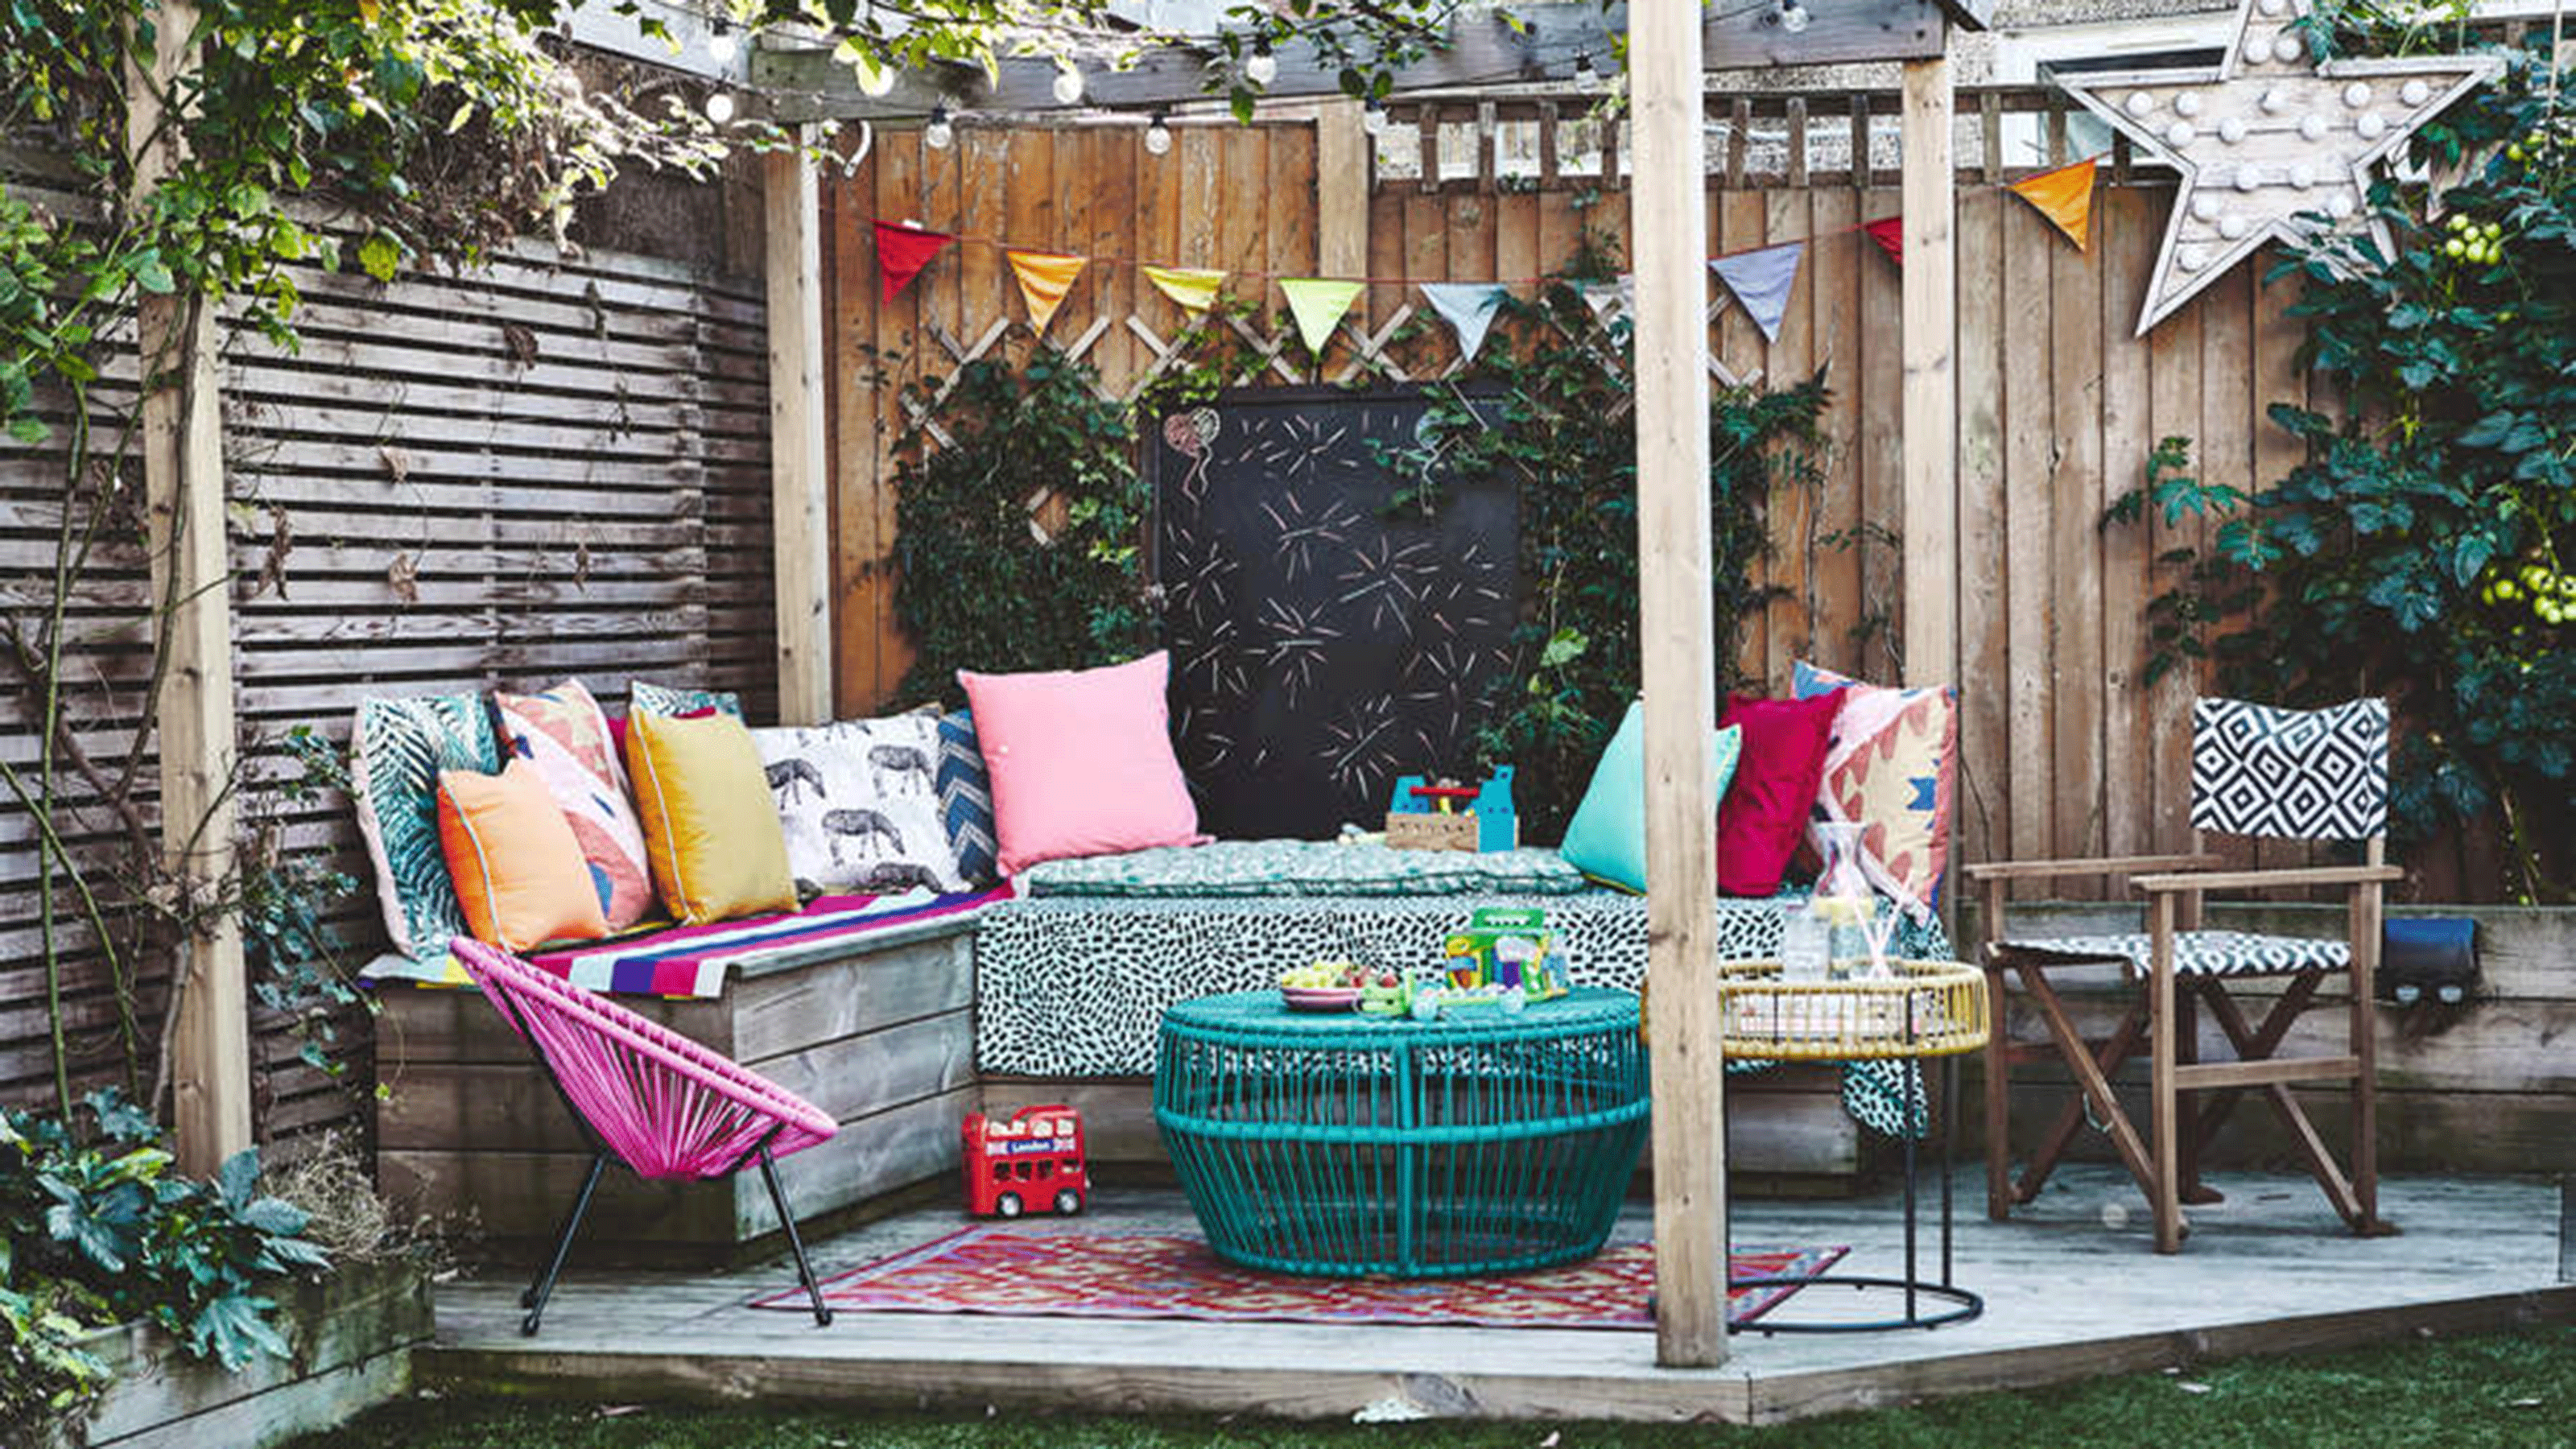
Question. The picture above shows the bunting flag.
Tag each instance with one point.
(1890, 236)
(1318, 304)
(1193, 288)
(1468, 308)
(1610, 301)
(1044, 279)
(902, 251)
(1761, 281)
(2065, 197)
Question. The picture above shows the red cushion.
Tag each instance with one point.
(1765, 811)
(617, 726)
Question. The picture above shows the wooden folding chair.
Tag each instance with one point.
(2256, 771)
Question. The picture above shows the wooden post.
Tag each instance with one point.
(1345, 160)
(799, 467)
(183, 480)
(1931, 393)
(1669, 214)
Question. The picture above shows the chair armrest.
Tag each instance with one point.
(2203, 882)
(2105, 865)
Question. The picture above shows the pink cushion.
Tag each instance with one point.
(1082, 762)
(1765, 811)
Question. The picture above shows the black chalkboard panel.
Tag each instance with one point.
(1320, 646)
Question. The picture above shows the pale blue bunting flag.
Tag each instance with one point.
(1468, 308)
(1761, 282)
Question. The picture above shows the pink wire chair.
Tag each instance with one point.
(651, 1098)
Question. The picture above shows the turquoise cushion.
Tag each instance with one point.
(1607, 838)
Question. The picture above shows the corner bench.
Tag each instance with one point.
(907, 1030)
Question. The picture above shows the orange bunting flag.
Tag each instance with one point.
(2065, 197)
(1045, 277)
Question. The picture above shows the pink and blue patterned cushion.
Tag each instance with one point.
(563, 733)
(1891, 766)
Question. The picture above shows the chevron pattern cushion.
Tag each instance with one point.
(966, 799)
(2317, 774)
(396, 749)
(2200, 953)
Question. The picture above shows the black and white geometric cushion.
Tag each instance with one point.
(2315, 774)
(2199, 953)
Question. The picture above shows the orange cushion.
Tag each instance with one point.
(518, 870)
(711, 828)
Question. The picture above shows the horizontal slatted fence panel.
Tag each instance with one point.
(546, 467)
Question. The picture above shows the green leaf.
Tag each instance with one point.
(380, 256)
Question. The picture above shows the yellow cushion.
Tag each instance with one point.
(710, 829)
(518, 870)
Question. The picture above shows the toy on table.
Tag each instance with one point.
(1449, 816)
(1505, 957)
(1032, 1158)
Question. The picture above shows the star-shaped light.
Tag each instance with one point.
(2269, 141)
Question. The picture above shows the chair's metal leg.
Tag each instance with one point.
(534, 1300)
(795, 1240)
(1999, 1193)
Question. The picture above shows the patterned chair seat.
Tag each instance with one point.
(2199, 953)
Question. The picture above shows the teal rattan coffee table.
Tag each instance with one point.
(1345, 1144)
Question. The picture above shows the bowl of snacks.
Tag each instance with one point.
(1323, 986)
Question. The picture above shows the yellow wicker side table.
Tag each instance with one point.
(1922, 1011)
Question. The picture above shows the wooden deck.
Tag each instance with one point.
(2071, 1291)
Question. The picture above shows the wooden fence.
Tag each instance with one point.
(2067, 748)
(549, 467)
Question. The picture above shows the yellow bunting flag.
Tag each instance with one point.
(1194, 289)
(2065, 197)
(1044, 279)
(1318, 304)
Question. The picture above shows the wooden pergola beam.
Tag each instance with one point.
(183, 481)
(800, 465)
(1677, 627)
(811, 85)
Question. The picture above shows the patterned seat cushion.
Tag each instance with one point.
(2199, 953)
(1237, 868)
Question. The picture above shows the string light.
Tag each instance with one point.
(1791, 16)
(1585, 76)
(722, 44)
(1158, 136)
(938, 133)
(1068, 84)
(720, 106)
(1373, 118)
(1263, 67)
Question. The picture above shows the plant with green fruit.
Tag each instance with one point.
(2424, 548)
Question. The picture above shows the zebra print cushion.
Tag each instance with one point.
(2200, 953)
(966, 800)
(2315, 774)
(859, 804)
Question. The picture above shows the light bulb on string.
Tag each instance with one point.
(1068, 85)
(1158, 136)
(1373, 118)
(1585, 77)
(1263, 67)
(1792, 16)
(937, 134)
(722, 44)
(720, 107)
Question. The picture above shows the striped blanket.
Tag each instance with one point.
(691, 962)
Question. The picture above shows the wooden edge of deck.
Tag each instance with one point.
(838, 1370)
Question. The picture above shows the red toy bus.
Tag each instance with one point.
(1035, 1159)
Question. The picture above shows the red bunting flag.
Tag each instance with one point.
(1890, 236)
(902, 251)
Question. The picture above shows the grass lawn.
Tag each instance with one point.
(2514, 1390)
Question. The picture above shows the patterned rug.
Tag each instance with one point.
(1017, 1272)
